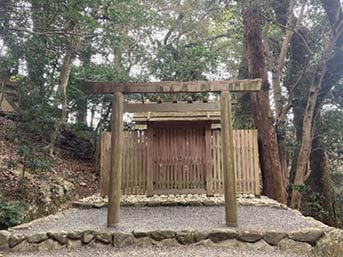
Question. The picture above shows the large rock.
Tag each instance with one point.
(236, 244)
(104, 237)
(143, 242)
(69, 189)
(37, 238)
(169, 242)
(60, 237)
(289, 246)
(24, 246)
(78, 147)
(274, 237)
(218, 235)
(123, 240)
(49, 245)
(331, 244)
(140, 234)
(75, 235)
(307, 235)
(206, 242)
(87, 236)
(159, 235)
(74, 244)
(249, 236)
(200, 235)
(4, 240)
(16, 239)
(185, 237)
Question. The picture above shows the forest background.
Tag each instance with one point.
(47, 48)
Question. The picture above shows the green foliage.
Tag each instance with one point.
(81, 130)
(34, 159)
(11, 213)
(332, 135)
(313, 206)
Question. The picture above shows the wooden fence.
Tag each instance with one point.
(134, 172)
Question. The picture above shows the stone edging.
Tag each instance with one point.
(298, 241)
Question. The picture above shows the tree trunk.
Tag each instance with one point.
(322, 195)
(273, 183)
(81, 114)
(331, 55)
(62, 90)
(302, 167)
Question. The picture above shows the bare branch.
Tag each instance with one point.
(288, 28)
(53, 32)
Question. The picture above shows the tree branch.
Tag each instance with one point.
(291, 29)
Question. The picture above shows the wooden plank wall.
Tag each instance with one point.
(247, 168)
(134, 162)
(134, 177)
(179, 166)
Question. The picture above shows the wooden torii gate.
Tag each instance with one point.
(120, 88)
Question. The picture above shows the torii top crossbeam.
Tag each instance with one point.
(172, 86)
(120, 88)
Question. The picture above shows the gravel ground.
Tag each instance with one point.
(197, 251)
(175, 218)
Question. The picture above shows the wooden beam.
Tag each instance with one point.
(116, 160)
(252, 85)
(172, 107)
(228, 160)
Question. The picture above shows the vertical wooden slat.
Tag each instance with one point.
(168, 160)
(228, 161)
(150, 156)
(123, 176)
(241, 159)
(105, 161)
(251, 162)
(256, 164)
(220, 164)
(242, 164)
(215, 160)
(134, 162)
(246, 160)
(144, 164)
(208, 161)
(236, 161)
(140, 168)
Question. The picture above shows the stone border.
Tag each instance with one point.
(177, 200)
(301, 241)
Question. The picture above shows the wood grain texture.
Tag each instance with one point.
(228, 161)
(253, 85)
(116, 160)
(171, 107)
(140, 149)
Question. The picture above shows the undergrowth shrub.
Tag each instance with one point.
(11, 213)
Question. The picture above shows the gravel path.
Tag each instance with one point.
(175, 218)
(197, 251)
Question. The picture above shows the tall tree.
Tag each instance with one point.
(273, 183)
(328, 69)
